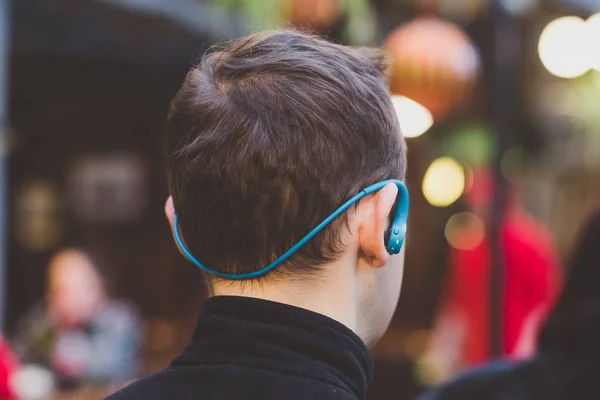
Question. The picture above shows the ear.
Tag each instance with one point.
(170, 213)
(374, 218)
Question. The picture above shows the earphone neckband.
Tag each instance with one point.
(394, 236)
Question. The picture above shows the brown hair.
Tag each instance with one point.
(268, 135)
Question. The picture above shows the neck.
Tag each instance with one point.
(335, 298)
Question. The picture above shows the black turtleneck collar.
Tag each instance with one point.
(261, 334)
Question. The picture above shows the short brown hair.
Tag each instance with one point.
(269, 134)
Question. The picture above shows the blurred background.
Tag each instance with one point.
(498, 100)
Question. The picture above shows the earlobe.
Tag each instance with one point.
(170, 213)
(170, 210)
(374, 223)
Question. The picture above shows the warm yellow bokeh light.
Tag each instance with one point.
(564, 47)
(414, 119)
(465, 231)
(444, 182)
(593, 31)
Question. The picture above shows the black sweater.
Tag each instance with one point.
(247, 348)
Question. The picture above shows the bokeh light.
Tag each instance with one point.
(464, 231)
(414, 119)
(444, 182)
(593, 28)
(563, 47)
(32, 382)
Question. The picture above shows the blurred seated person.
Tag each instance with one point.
(531, 274)
(78, 333)
(565, 365)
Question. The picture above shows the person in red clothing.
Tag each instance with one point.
(8, 366)
(531, 282)
(565, 364)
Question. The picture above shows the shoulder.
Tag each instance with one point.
(227, 382)
(35, 323)
(147, 388)
(502, 380)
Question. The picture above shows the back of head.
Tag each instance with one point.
(574, 324)
(268, 135)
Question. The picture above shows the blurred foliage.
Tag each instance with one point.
(360, 22)
(471, 144)
(258, 14)
(582, 102)
(578, 100)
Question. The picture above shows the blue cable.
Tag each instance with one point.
(294, 248)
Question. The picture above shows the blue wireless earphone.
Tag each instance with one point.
(394, 236)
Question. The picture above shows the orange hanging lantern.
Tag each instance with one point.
(433, 63)
(313, 14)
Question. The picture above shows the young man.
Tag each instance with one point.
(266, 139)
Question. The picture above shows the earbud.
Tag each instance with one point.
(394, 236)
(396, 239)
